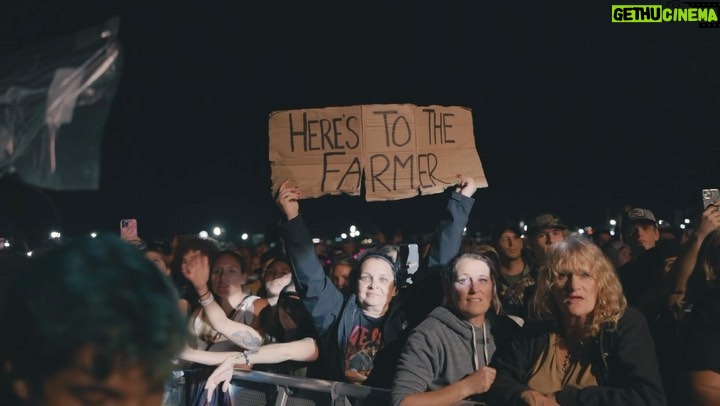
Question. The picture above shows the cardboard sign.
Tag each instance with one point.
(400, 150)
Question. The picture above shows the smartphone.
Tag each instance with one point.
(413, 258)
(709, 196)
(128, 229)
(409, 259)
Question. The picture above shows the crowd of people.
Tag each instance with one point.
(535, 317)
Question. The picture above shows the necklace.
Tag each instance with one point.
(566, 364)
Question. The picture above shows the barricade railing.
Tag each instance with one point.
(264, 388)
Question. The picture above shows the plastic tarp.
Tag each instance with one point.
(54, 101)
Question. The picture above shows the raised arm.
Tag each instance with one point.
(320, 296)
(198, 273)
(687, 258)
(448, 238)
(205, 357)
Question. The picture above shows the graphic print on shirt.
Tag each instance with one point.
(363, 344)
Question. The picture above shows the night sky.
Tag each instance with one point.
(572, 114)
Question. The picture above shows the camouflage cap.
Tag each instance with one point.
(545, 220)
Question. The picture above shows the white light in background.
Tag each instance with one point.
(343, 236)
(55, 234)
(93, 234)
(29, 253)
(687, 221)
(316, 240)
(203, 234)
(613, 222)
(6, 244)
(217, 231)
(244, 236)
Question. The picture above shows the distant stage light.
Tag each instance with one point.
(343, 236)
(55, 235)
(203, 234)
(244, 236)
(613, 222)
(93, 234)
(29, 253)
(217, 231)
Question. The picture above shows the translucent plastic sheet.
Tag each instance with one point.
(54, 101)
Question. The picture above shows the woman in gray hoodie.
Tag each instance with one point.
(446, 357)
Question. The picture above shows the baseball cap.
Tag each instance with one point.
(638, 215)
(545, 220)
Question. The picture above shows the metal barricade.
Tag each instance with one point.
(249, 388)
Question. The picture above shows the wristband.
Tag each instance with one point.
(247, 360)
(205, 302)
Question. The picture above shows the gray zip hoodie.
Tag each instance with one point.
(440, 351)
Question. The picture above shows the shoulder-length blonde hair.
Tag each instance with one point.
(577, 253)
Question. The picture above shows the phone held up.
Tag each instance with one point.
(409, 259)
(709, 196)
(128, 230)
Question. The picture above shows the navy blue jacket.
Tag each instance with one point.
(334, 316)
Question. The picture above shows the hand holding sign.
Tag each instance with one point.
(400, 150)
(287, 199)
(466, 185)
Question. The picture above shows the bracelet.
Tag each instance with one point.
(203, 294)
(205, 302)
(247, 360)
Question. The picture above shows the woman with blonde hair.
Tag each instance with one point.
(587, 347)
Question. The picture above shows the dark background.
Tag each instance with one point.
(572, 114)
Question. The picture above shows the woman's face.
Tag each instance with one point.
(471, 292)
(277, 276)
(575, 293)
(376, 284)
(226, 276)
(159, 261)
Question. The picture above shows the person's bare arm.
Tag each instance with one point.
(305, 349)
(705, 387)
(687, 258)
(239, 333)
(246, 336)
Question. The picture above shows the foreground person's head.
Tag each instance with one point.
(92, 322)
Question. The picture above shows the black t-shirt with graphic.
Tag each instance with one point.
(363, 343)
